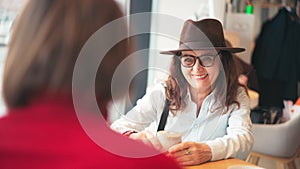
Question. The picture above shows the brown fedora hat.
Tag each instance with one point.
(206, 34)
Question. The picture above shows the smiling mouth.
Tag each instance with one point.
(200, 76)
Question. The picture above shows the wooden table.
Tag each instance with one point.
(222, 164)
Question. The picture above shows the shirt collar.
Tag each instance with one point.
(212, 99)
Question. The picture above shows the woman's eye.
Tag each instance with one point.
(188, 60)
(206, 58)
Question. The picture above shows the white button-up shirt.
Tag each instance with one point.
(226, 131)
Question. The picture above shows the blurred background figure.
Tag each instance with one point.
(41, 129)
(246, 73)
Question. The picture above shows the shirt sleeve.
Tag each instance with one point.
(146, 111)
(239, 138)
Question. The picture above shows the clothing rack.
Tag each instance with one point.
(297, 7)
(283, 3)
(295, 3)
(291, 7)
(273, 59)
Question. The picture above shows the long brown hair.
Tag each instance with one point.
(177, 85)
(46, 41)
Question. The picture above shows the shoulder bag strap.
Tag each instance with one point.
(164, 116)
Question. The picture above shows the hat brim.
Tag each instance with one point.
(231, 50)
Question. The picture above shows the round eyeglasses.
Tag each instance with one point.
(206, 60)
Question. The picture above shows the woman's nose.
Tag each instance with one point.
(197, 65)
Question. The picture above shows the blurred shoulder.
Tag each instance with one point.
(242, 96)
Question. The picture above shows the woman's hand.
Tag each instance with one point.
(191, 153)
(147, 138)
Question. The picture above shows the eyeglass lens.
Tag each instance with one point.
(204, 60)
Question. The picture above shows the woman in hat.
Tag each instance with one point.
(206, 103)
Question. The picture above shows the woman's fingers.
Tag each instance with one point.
(147, 142)
(153, 140)
(180, 147)
(191, 153)
(147, 138)
(185, 156)
(186, 160)
(138, 136)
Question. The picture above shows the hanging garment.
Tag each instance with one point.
(276, 59)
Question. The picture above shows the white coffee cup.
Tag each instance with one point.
(168, 138)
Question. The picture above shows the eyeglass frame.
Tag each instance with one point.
(197, 57)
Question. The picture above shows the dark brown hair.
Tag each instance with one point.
(45, 43)
(177, 85)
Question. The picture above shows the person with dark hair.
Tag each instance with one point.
(206, 103)
(42, 128)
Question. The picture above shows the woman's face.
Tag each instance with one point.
(199, 77)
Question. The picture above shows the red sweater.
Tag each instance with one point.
(47, 134)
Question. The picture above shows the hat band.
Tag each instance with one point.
(198, 45)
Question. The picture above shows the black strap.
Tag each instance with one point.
(164, 116)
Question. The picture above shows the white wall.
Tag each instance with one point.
(3, 51)
(9, 9)
(243, 25)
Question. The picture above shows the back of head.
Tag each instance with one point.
(46, 41)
